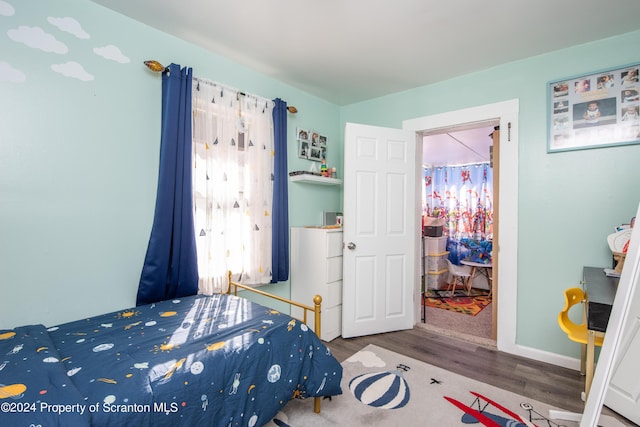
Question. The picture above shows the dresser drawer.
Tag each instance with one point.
(334, 244)
(331, 323)
(332, 295)
(334, 269)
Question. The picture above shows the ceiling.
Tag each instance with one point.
(458, 146)
(347, 51)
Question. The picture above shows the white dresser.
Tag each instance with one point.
(316, 269)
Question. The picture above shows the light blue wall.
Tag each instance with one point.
(79, 159)
(568, 202)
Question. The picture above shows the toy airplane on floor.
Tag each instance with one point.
(488, 419)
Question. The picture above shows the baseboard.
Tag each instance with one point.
(545, 356)
(517, 350)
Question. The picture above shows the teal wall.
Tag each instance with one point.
(79, 159)
(568, 202)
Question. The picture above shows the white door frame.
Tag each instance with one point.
(507, 113)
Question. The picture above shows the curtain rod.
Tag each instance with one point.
(223, 87)
(157, 67)
(461, 165)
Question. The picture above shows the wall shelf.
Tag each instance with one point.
(314, 179)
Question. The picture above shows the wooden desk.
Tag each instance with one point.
(482, 268)
(600, 291)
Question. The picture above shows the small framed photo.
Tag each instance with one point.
(315, 139)
(594, 110)
(303, 149)
(302, 134)
(315, 153)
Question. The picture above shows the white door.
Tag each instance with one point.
(615, 382)
(623, 394)
(380, 227)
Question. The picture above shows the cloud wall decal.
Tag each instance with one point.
(10, 74)
(6, 9)
(69, 25)
(111, 52)
(45, 40)
(37, 38)
(72, 69)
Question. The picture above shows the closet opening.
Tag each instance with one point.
(459, 213)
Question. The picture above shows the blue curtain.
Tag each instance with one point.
(280, 219)
(170, 268)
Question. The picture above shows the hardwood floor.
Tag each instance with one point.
(547, 383)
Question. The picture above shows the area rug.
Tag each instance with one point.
(384, 388)
(459, 302)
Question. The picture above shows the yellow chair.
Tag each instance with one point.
(577, 332)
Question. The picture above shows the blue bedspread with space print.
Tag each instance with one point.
(202, 360)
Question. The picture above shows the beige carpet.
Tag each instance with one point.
(384, 388)
(475, 329)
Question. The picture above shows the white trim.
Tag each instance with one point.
(507, 113)
(547, 357)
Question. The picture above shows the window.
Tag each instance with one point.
(233, 185)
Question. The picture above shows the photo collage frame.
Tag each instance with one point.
(312, 145)
(594, 110)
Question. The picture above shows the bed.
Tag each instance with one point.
(197, 360)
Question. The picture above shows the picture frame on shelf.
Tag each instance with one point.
(596, 110)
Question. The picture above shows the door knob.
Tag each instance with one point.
(351, 246)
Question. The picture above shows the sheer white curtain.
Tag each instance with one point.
(233, 185)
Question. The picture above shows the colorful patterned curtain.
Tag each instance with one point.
(463, 197)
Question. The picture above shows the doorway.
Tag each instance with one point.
(457, 192)
(506, 242)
